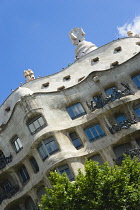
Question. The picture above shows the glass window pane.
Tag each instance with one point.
(99, 130)
(120, 118)
(51, 147)
(137, 111)
(7, 186)
(94, 132)
(75, 140)
(41, 121)
(75, 110)
(119, 150)
(66, 170)
(110, 91)
(19, 143)
(36, 124)
(97, 158)
(73, 135)
(54, 145)
(70, 112)
(24, 174)
(136, 80)
(89, 134)
(80, 108)
(77, 143)
(42, 152)
(31, 127)
(16, 145)
(34, 164)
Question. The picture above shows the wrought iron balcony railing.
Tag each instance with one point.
(4, 161)
(131, 152)
(8, 194)
(123, 125)
(99, 102)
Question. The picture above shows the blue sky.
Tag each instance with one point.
(34, 33)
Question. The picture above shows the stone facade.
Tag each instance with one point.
(89, 109)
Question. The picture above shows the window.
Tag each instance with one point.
(75, 140)
(136, 80)
(24, 174)
(45, 85)
(94, 60)
(66, 78)
(40, 192)
(7, 109)
(7, 186)
(47, 147)
(94, 132)
(116, 63)
(29, 204)
(110, 92)
(120, 118)
(117, 49)
(119, 150)
(76, 111)
(17, 144)
(34, 164)
(65, 169)
(61, 88)
(137, 110)
(97, 158)
(36, 124)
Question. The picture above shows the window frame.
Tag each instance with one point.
(36, 120)
(44, 143)
(25, 173)
(63, 168)
(16, 143)
(75, 138)
(34, 164)
(118, 118)
(97, 156)
(6, 184)
(72, 112)
(88, 129)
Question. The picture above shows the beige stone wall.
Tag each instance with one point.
(52, 106)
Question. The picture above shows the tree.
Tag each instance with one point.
(99, 188)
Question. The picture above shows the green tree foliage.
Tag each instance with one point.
(99, 188)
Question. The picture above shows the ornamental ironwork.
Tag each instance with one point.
(11, 192)
(125, 124)
(131, 152)
(4, 161)
(99, 102)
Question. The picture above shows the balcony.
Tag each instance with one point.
(8, 194)
(131, 152)
(123, 125)
(99, 102)
(4, 161)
